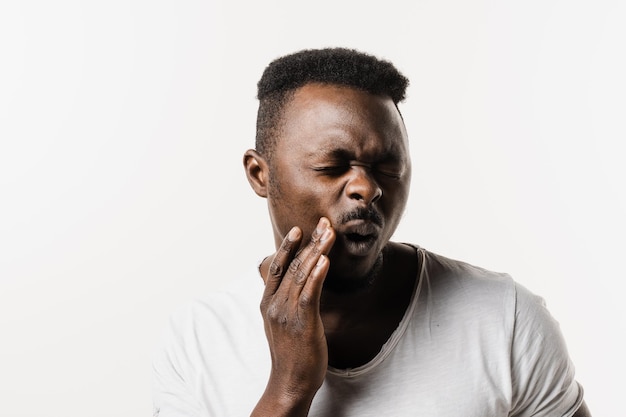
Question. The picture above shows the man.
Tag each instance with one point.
(352, 324)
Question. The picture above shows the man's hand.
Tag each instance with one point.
(293, 326)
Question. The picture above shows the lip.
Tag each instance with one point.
(364, 227)
(359, 237)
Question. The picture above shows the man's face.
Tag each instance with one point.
(343, 154)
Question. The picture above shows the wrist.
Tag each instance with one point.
(281, 402)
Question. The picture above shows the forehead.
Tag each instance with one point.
(323, 117)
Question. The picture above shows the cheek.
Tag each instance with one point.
(396, 200)
(291, 197)
(300, 203)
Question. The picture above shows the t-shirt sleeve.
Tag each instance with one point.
(542, 373)
(171, 391)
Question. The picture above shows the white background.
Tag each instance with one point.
(123, 124)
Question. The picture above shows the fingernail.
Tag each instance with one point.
(320, 261)
(293, 234)
(321, 225)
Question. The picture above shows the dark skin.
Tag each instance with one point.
(336, 288)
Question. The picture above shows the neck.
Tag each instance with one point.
(357, 324)
(347, 296)
(347, 286)
(379, 290)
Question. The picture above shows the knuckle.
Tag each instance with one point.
(295, 265)
(286, 246)
(305, 300)
(300, 276)
(276, 269)
(275, 314)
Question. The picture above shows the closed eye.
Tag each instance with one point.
(390, 174)
(389, 170)
(332, 169)
(341, 169)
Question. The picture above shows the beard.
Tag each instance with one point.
(348, 285)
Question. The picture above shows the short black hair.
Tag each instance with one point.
(341, 66)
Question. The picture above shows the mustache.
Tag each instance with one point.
(362, 213)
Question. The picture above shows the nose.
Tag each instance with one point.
(362, 186)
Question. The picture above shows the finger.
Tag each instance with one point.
(311, 293)
(281, 260)
(312, 289)
(305, 261)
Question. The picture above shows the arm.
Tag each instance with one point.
(293, 326)
(542, 371)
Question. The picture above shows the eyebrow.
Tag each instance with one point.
(337, 153)
(340, 153)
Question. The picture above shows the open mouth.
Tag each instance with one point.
(358, 238)
(359, 244)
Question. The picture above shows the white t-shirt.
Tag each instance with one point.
(472, 343)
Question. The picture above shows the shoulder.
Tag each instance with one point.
(496, 314)
(216, 337)
(216, 327)
(477, 291)
(449, 267)
(472, 284)
(224, 311)
(230, 315)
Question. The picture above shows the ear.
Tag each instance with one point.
(257, 171)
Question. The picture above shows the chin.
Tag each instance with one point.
(350, 280)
